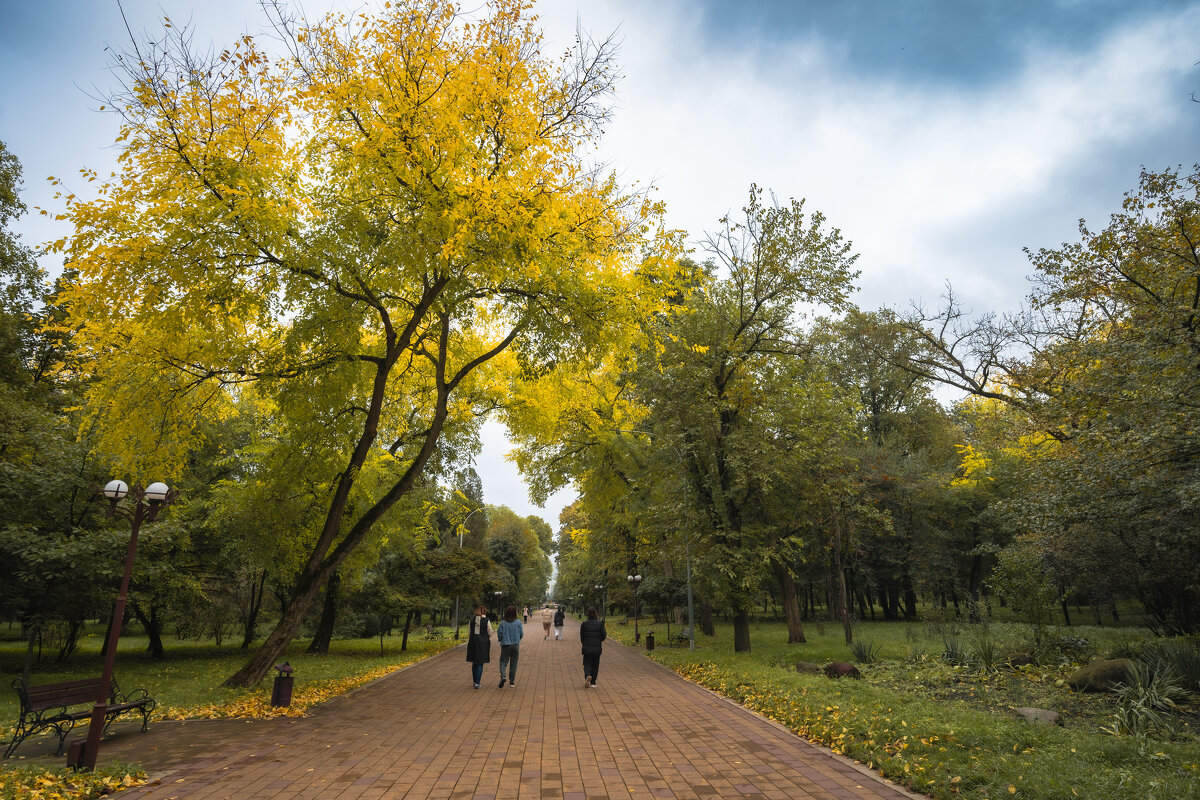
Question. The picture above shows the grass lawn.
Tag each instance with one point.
(944, 731)
(186, 684)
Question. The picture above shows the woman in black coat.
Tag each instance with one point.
(479, 644)
(591, 634)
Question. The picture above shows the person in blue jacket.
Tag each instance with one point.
(509, 633)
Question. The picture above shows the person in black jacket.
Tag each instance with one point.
(591, 634)
(479, 644)
(560, 616)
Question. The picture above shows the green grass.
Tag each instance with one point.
(187, 682)
(942, 730)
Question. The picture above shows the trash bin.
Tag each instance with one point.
(650, 640)
(281, 692)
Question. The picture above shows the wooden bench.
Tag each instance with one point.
(61, 705)
(681, 639)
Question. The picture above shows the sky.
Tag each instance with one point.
(940, 136)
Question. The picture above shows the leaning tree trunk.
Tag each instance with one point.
(324, 633)
(791, 607)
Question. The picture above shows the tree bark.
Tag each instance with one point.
(407, 626)
(258, 590)
(324, 633)
(153, 626)
(741, 630)
(791, 607)
(706, 619)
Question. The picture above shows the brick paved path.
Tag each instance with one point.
(423, 732)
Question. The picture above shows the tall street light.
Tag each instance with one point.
(599, 587)
(147, 503)
(462, 527)
(498, 594)
(635, 581)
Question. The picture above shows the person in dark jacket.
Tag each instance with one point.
(479, 644)
(560, 616)
(591, 635)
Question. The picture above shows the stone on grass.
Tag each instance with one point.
(1041, 716)
(1020, 660)
(840, 669)
(1100, 676)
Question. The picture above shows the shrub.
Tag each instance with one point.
(954, 653)
(1147, 702)
(864, 652)
(1179, 657)
(986, 653)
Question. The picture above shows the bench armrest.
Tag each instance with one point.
(136, 696)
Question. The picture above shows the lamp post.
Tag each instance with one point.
(498, 609)
(462, 526)
(147, 503)
(599, 587)
(635, 581)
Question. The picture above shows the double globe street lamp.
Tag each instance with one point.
(146, 505)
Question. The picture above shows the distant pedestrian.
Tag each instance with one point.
(591, 635)
(509, 633)
(525, 615)
(547, 620)
(559, 617)
(479, 643)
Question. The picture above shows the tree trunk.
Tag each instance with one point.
(407, 626)
(153, 626)
(35, 631)
(791, 608)
(324, 633)
(840, 591)
(1066, 611)
(741, 630)
(250, 622)
(910, 600)
(706, 619)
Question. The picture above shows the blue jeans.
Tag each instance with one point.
(477, 672)
(509, 653)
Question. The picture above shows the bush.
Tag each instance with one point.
(864, 652)
(1178, 657)
(1147, 702)
(954, 653)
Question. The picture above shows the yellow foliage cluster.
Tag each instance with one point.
(257, 704)
(21, 784)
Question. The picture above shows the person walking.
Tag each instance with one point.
(479, 643)
(559, 617)
(525, 615)
(509, 633)
(591, 636)
(547, 619)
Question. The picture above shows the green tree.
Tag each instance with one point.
(1101, 369)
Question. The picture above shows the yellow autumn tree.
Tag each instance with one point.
(370, 235)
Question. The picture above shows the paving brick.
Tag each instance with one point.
(423, 732)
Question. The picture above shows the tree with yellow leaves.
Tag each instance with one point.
(367, 236)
